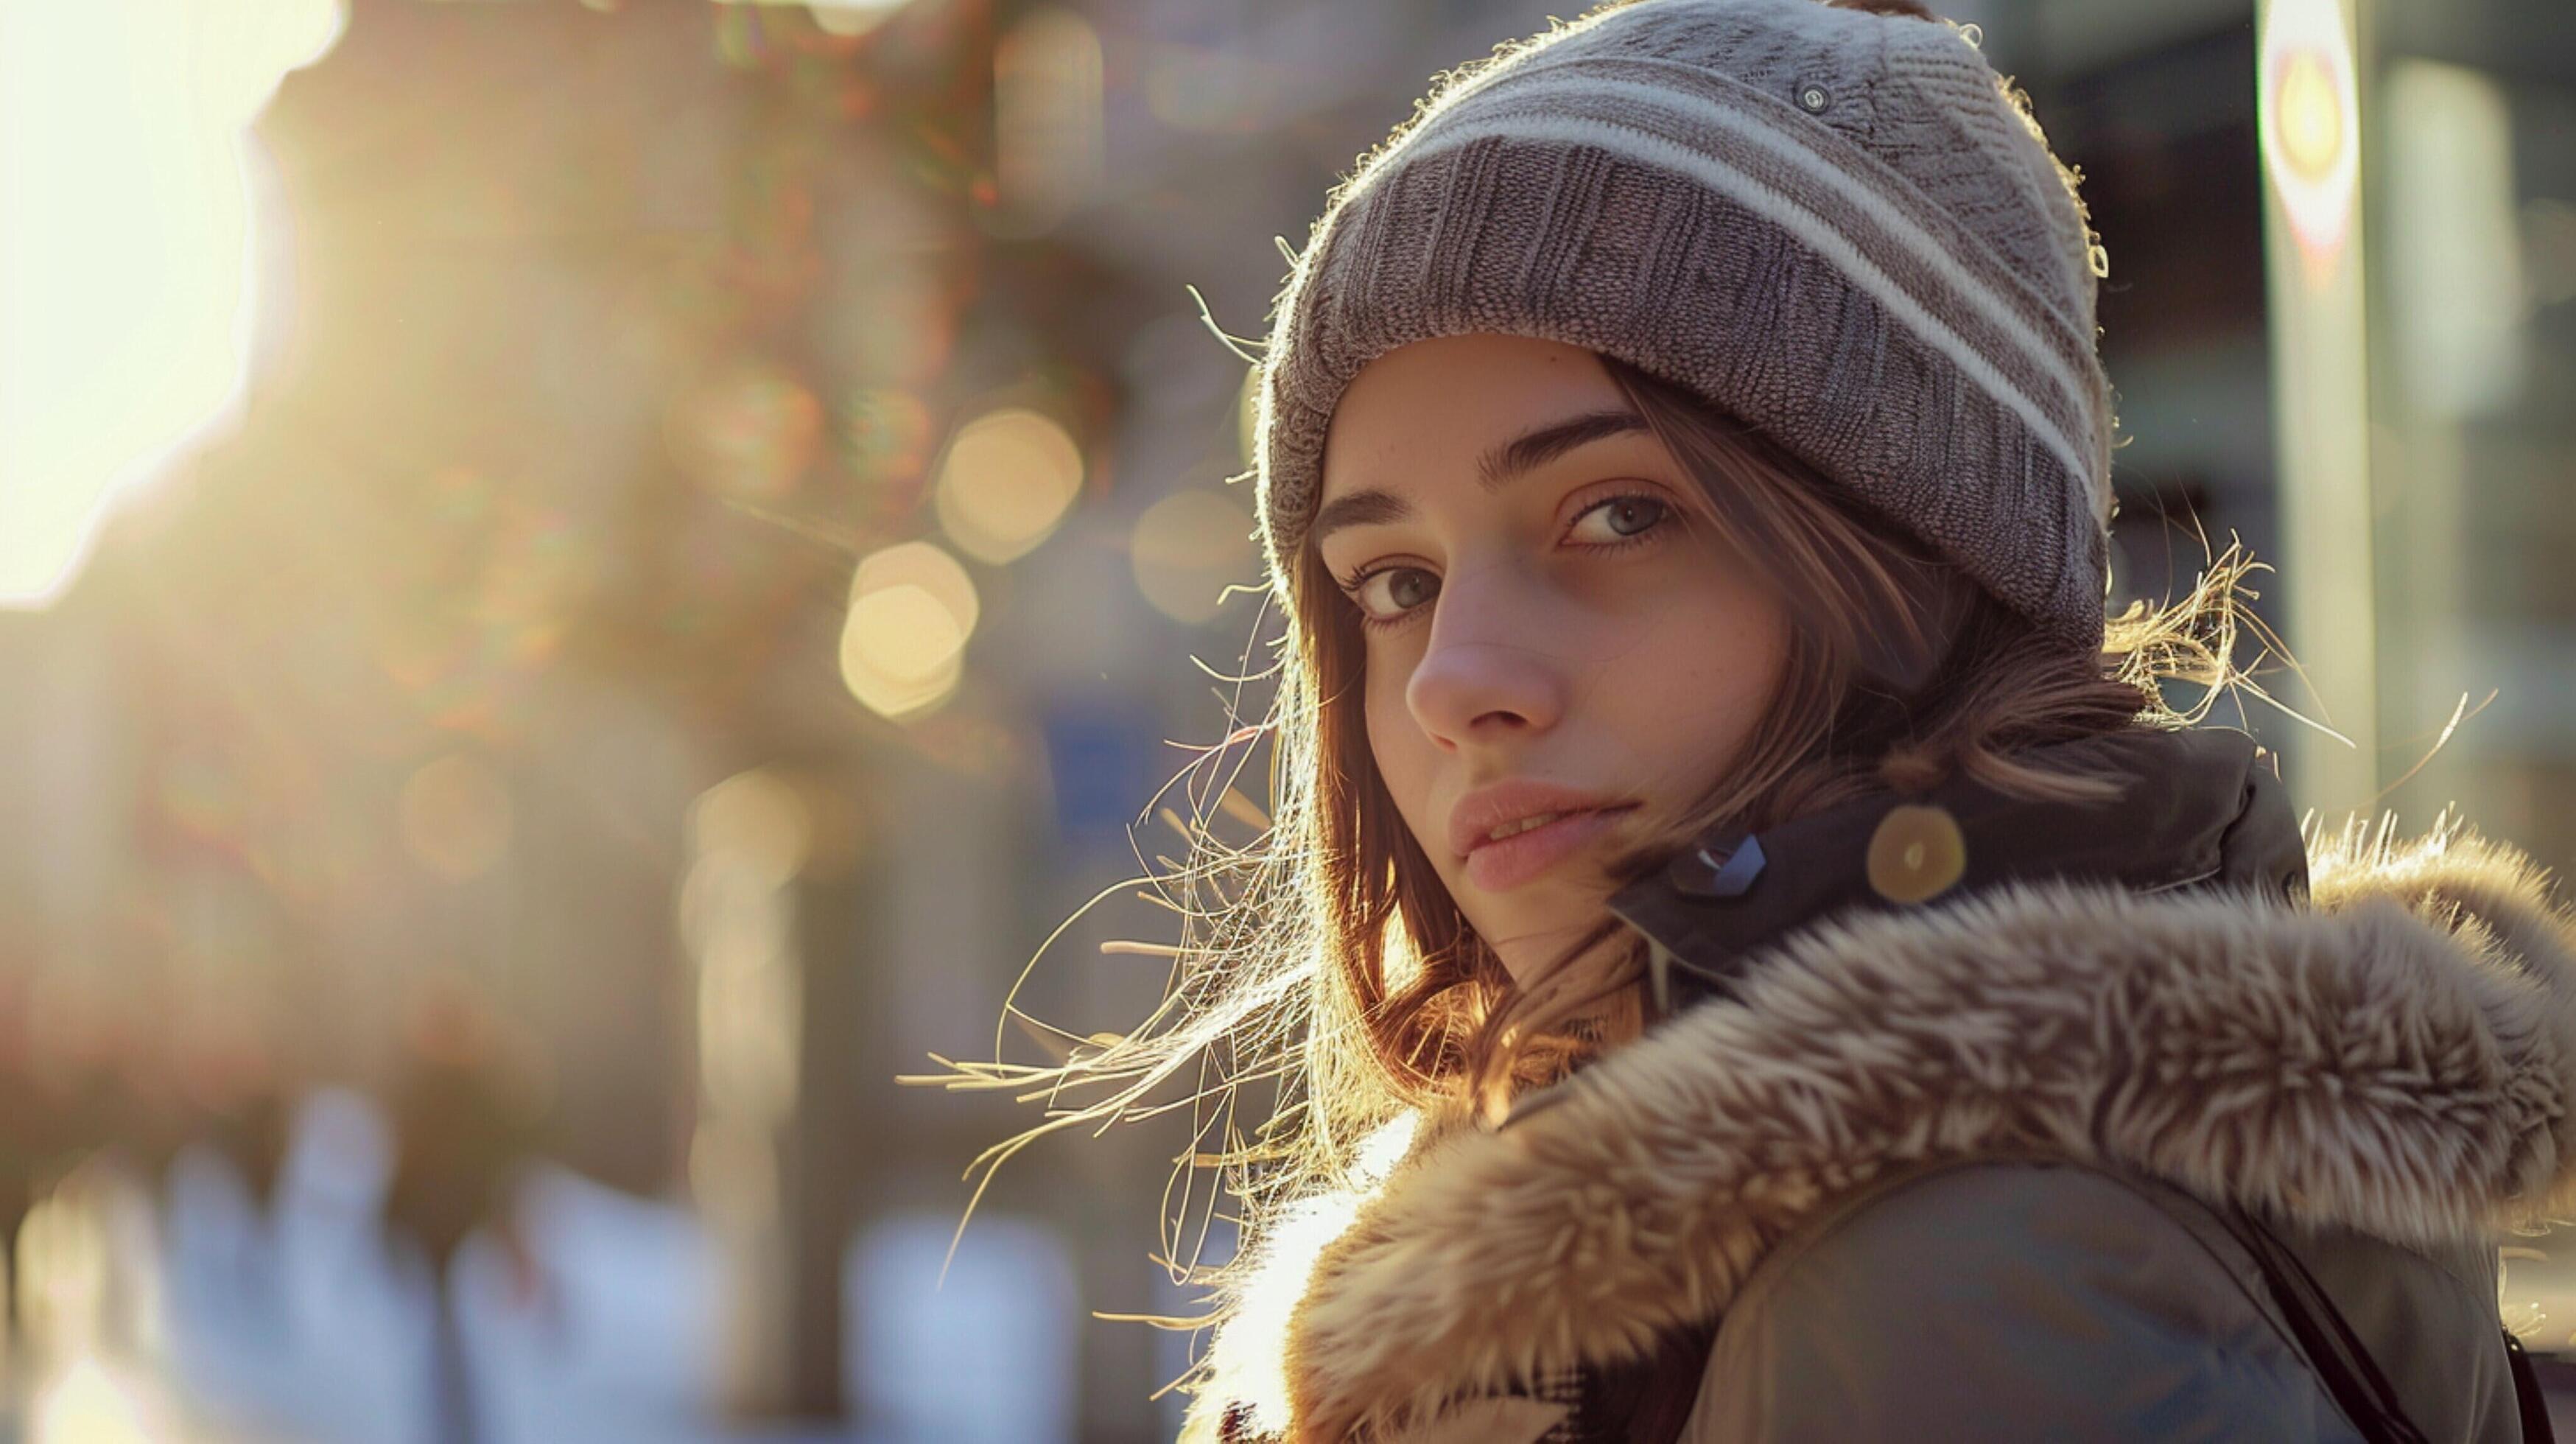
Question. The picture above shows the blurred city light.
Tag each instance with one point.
(126, 266)
(2308, 114)
(912, 609)
(836, 17)
(920, 564)
(1007, 481)
(851, 17)
(1187, 548)
(2318, 323)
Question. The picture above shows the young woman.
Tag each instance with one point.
(1754, 954)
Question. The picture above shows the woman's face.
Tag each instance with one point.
(1553, 628)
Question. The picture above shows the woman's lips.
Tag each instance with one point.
(1502, 866)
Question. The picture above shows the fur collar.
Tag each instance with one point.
(2399, 1060)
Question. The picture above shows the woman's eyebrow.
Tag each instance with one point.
(1498, 468)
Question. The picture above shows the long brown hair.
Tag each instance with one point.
(1324, 957)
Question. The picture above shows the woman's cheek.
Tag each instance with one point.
(1399, 746)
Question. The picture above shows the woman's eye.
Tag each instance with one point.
(1624, 517)
(1390, 594)
(1391, 591)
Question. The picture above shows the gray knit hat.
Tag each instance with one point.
(1834, 224)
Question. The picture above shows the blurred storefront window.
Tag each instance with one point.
(2438, 393)
(2470, 189)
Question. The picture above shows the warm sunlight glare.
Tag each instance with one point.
(90, 1405)
(1296, 1238)
(126, 261)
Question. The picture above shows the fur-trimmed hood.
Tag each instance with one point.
(2397, 1058)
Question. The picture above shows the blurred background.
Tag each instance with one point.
(583, 584)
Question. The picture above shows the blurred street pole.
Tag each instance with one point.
(2309, 53)
(827, 1147)
(781, 916)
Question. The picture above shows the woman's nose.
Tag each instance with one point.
(1489, 667)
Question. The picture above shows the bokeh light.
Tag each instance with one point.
(922, 565)
(1007, 481)
(903, 644)
(2311, 122)
(125, 157)
(911, 636)
(850, 17)
(2310, 127)
(456, 817)
(1187, 548)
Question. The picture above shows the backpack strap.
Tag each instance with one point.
(2536, 1428)
(2343, 1363)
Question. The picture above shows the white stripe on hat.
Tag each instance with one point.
(1571, 75)
(1807, 226)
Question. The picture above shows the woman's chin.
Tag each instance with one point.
(1530, 944)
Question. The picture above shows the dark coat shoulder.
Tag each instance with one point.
(2047, 1299)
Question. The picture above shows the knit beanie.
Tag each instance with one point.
(1836, 225)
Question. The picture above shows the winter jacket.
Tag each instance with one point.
(2082, 1147)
